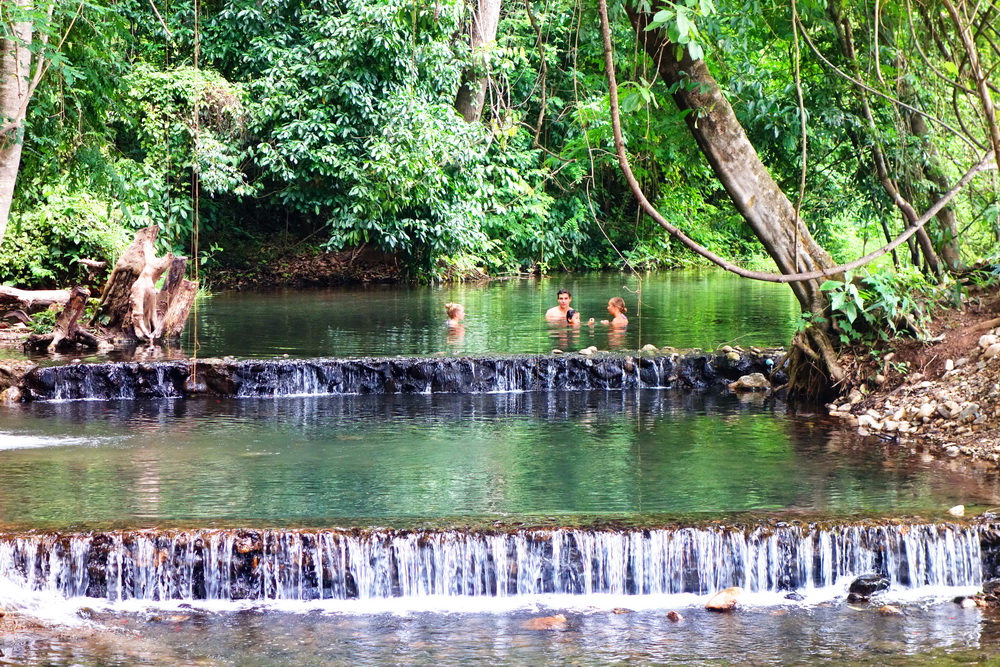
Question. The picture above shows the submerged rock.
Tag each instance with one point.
(674, 616)
(557, 622)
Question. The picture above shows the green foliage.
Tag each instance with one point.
(878, 305)
(171, 125)
(43, 244)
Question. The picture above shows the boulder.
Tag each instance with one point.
(890, 610)
(868, 584)
(752, 382)
(724, 600)
(10, 395)
(674, 617)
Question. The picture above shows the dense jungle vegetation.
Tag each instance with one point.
(248, 129)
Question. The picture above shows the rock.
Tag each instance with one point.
(952, 451)
(969, 412)
(752, 382)
(733, 356)
(675, 617)
(557, 622)
(991, 587)
(586, 352)
(3, 612)
(557, 351)
(649, 347)
(890, 610)
(991, 352)
(621, 610)
(795, 597)
(949, 365)
(867, 585)
(967, 603)
(726, 349)
(10, 395)
(986, 340)
(724, 600)
(949, 409)
(926, 410)
(957, 510)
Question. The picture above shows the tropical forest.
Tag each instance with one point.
(440, 331)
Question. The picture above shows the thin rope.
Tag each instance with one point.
(195, 190)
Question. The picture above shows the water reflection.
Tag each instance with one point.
(355, 459)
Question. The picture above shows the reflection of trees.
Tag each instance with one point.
(399, 457)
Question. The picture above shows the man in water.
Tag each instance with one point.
(559, 313)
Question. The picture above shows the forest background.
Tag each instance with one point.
(251, 130)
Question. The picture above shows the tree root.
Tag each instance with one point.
(814, 371)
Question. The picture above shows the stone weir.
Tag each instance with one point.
(284, 377)
(244, 564)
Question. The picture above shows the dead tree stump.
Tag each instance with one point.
(131, 303)
(67, 335)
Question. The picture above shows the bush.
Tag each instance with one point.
(42, 244)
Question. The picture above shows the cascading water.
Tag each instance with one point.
(253, 378)
(327, 564)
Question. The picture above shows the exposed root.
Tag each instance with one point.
(814, 372)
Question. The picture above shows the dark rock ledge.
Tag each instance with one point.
(691, 370)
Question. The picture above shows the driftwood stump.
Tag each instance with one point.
(68, 334)
(133, 306)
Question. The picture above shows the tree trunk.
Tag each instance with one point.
(472, 91)
(134, 308)
(31, 300)
(736, 163)
(949, 246)
(15, 64)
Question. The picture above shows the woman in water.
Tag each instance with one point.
(456, 313)
(616, 307)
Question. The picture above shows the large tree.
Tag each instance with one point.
(768, 211)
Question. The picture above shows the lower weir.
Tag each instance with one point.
(282, 377)
(244, 564)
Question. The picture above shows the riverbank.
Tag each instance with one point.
(942, 393)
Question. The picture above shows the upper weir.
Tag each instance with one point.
(388, 375)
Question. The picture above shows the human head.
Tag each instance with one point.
(564, 297)
(456, 311)
(618, 303)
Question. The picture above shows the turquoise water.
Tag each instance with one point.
(684, 309)
(362, 460)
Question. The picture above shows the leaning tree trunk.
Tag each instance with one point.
(15, 64)
(472, 91)
(131, 306)
(736, 164)
(812, 363)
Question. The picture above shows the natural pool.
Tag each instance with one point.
(683, 309)
(455, 465)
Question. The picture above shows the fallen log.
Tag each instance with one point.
(12, 298)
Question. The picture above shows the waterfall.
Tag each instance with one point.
(366, 564)
(284, 377)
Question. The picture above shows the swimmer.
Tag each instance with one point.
(560, 312)
(456, 313)
(616, 308)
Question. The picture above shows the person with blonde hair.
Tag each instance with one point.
(456, 313)
(617, 309)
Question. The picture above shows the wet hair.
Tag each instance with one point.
(452, 309)
(618, 303)
(570, 314)
(563, 291)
